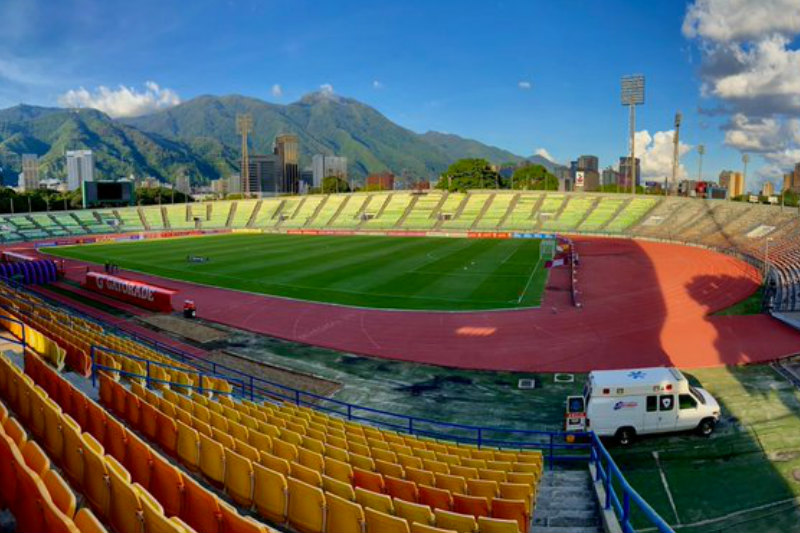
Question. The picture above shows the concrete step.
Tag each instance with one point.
(566, 503)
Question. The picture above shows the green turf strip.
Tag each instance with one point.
(382, 272)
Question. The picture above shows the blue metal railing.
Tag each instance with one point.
(608, 473)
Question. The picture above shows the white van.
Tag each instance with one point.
(626, 403)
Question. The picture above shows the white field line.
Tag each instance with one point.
(666, 488)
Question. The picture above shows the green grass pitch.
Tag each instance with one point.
(424, 273)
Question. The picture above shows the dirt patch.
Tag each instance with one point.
(276, 374)
(188, 329)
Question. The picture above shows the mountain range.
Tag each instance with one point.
(198, 138)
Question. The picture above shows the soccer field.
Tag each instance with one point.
(424, 273)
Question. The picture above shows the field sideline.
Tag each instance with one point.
(420, 273)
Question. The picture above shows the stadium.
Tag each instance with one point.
(421, 312)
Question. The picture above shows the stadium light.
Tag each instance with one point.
(675, 152)
(633, 95)
(701, 151)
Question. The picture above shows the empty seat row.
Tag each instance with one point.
(123, 477)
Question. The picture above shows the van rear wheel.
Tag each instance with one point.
(625, 436)
(706, 427)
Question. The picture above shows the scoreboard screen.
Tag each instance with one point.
(107, 193)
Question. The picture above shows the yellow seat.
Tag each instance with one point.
(492, 475)
(73, 453)
(35, 458)
(306, 510)
(310, 459)
(409, 461)
(420, 477)
(239, 478)
(467, 472)
(284, 450)
(362, 461)
(188, 447)
(86, 522)
(124, 508)
(517, 491)
(413, 512)
(60, 493)
(378, 522)
(212, 459)
(53, 439)
(95, 476)
(338, 470)
(14, 430)
(526, 478)
(455, 484)
(497, 525)
(275, 463)
(244, 449)
(335, 452)
(238, 431)
(484, 488)
(303, 473)
(457, 522)
(153, 516)
(389, 469)
(260, 441)
(343, 516)
(420, 528)
(270, 494)
(373, 500)
(340, 488)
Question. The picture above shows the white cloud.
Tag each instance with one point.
(122, 101)
(277, 91)
(736, 20)
(326, 89)
(762, 134)
(541, 152)
(524, 85)
(377, 85)
(655, 153)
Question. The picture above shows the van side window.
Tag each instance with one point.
(685, 401)
(652, 403)
(666, 402)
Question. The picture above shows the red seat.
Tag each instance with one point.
(28, 505)
(149, 423)
(95, 422)
(435, 498)
(133, 412)
(401, 489)
(368, 480)
(139, 461)
(116, 439)
(511, 510)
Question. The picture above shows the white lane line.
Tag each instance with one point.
(666, 488)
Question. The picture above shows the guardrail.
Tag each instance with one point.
(620, 497)
(12, 339)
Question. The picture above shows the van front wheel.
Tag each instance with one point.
(706, 427)
(625, 436)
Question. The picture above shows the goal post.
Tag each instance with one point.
(547, 249)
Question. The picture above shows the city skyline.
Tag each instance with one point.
(551, 91)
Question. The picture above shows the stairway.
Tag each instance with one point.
(566, 503)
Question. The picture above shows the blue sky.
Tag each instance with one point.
(452, 66)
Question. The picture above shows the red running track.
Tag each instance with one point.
(644, 304)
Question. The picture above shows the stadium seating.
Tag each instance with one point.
(630, 214)
(469, 212)
(496, 211)
(130, 219)
(603, 212)
(180, 216)
(423, 214)
(244, 209)
(348, 216)
(572, 214)
(266, 216)
(328, 210)
(304, 211)
(152, 215)
(218, 217)
(391, 213)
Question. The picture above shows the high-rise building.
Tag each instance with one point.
(324, 166)
(235, 184)
(287, 148)
(588, 162)
(791, 181)
(625, 172)
(733, 181)
(80, 168)
(609, 177)
(265, 175)
(29, 179)
(768, 189)
(584, 174)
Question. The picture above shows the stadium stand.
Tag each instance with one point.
(423, 214)
(731, 227)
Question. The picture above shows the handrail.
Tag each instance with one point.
(607, 472)
(13, 340)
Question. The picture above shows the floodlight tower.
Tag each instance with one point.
(745, 160)
(633, 95)
(701, 150)
(675, 152)
(244, 126)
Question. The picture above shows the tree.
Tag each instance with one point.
(467, 174)
(334, 184)
(534, 177)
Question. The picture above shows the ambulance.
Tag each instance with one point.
(627, 403)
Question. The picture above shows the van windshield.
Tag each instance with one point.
(587, 393)
(697, 395)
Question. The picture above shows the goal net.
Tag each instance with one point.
(547, 249)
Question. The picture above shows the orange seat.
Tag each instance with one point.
(371, 481)
(96, 422)
(167, 433)
(166, 486)
(200, 507)
(401, 489)
(139, 461)
(149, 421)
(435, 498)
(116, 439)
(471, 505)
(35, 458)
(511, 510)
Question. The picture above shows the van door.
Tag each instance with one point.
(650, 422)
(667, 412)
(688, 412)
